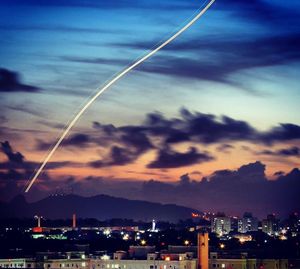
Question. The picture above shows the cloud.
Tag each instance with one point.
(134, 144)
(157, 133)
(10, 82)
(76, 140)
(28, 110)
(117, 156)
(225, 148)
(283, 132)
(246, 188)
(14, 157)
(18, 168)
(229, 57)
(288, 152)
(232, 191)
(167, 158)
(268, 13)
(98, 60)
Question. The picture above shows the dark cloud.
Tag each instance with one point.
(51, 124)
(283, 132)
(289, 152)
(279, 173)
(168, 158)
(10, 82)
(128, 143)
(230, 56)
(95, 60)
(268, 13)
(27, 110)
(76, 140)
(134, 144)
(225, 148)
(117, 156)
(207, 129)
(137, 140)
(184, 179)
(18, 168)
(232, 191)
(14, 157)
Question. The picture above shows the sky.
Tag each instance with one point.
(211, 121)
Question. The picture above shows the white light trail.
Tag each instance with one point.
(105, 87)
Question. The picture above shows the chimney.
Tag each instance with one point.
(74, 221)
(203, 250)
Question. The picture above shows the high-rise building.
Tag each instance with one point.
(292, 224)
(248, 223)
(221, 224)
(270, 225)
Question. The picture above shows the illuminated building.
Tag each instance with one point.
(292, 225)
(218, 261)
(17, 263)
(221, 225)
(270, 225)
(247, 224)
(175, 257)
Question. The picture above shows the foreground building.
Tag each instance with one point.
(138, 257)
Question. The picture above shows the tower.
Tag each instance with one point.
(153, 226)
(74, 221)
(38, 228)
(203, 250)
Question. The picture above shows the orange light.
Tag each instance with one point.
(167, 259)
(37, 229)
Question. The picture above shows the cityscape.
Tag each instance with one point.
(149, 134)
(208, 239)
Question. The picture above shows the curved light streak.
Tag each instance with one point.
(110, 83)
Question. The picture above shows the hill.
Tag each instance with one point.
(102, 207)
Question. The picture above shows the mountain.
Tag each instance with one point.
(102, 207)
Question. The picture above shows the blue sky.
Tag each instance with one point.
(240, 61)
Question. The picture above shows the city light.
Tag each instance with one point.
(105, 257)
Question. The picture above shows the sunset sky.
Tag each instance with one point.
(222, 99)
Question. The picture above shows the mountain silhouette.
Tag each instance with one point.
(102, 207)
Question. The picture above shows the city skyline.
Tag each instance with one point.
(212, 116)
